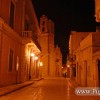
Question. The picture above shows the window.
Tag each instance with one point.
(26, 25)
(10, 60)
(74, 71)
(43, 29)
(12, 15)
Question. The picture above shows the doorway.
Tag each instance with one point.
(85, 73)
(98, 72)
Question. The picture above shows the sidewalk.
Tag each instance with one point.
(11, 88)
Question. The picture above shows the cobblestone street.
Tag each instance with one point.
(48, 89)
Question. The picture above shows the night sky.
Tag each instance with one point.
(76, 15)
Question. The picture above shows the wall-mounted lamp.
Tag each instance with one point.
(36, 58)
(41, 64)
(32, 54)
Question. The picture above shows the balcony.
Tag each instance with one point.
(29, 35)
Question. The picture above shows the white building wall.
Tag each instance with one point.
(83, 55)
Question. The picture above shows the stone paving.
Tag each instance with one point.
(48, 89)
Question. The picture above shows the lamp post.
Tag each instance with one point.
(31, 55)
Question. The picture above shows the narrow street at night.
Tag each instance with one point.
(49, 50)
(48, 89)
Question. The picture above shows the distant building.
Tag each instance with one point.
(74, 43)
(19, 32)
(46, 39)
(58, 61)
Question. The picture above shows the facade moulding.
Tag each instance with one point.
(9, 31)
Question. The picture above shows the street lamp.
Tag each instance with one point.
(31, 55)
(36, 58)
(68, 70)
(68, 66)
(40, 65)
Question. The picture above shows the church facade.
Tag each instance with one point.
(48, 56)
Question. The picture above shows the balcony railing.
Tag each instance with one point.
(30, 34)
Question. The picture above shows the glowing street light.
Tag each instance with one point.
(68, 66)
(36, 58)
(32, 55)
(41, 64)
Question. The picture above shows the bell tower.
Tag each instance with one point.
(43, 24)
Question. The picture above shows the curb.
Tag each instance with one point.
(12, 88)
(38, 79)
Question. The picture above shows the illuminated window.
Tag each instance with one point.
(12, 15)
(10, 60)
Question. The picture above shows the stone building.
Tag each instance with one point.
(46, 40)
(87, 53)
(19, 32)
(74, 43)
(86, 59)
(58, 61)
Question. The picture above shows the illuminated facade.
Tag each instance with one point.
(88, 55)
(46, 40)
(19, 32)
(87, 58)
